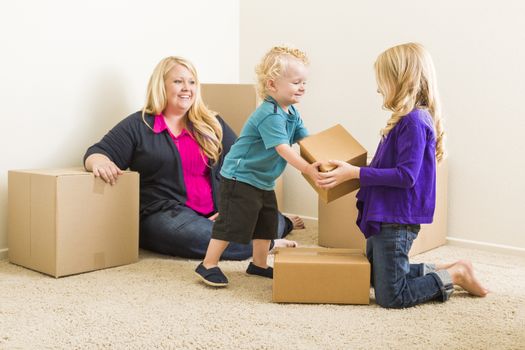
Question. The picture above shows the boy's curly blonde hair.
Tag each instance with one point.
(274, 64)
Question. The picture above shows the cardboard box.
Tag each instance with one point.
(337, 227)
(235, 103)
(321, 275)
(333, 144)
(66, 221)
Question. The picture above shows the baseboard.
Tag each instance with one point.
(490, 247)
(3, 253)
(302, 216)
(458, 242)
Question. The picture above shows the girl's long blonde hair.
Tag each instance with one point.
(274, 64)
(406, 78)
(201, 121)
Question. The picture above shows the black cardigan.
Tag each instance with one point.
(131, 144)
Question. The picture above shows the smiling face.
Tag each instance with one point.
(290, 87)
(181, 87)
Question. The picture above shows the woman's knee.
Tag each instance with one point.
(182, 232)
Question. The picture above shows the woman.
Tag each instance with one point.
(177, 145)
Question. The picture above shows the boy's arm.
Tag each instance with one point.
(300, 131)
(298, 162)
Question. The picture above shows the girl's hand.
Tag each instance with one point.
(214, 216)
(107, 170)
(312, 171)
(342, 173)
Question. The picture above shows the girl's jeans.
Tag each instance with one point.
(397, 283)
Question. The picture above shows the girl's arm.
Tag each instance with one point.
(410, 149)
(342, 173)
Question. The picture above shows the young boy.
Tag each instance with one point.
(247, 204)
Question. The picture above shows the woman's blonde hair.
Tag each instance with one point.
(406, 78)
(201, 121)
(274, 64)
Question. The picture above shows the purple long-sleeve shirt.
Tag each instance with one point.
(399, 186)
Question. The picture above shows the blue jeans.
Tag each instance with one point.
(183, 232)
(397, 283)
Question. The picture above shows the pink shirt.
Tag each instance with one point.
(195, 168)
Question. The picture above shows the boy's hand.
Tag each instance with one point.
(342, 173)
(312, 171)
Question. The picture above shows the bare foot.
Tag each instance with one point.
(462, 274)
(283, 243)
(298, 223)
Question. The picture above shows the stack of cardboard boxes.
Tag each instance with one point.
(338, 232)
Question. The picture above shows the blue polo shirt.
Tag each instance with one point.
(253, 158)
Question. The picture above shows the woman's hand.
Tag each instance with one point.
(103, 167)
(214, 217)
(342, 173)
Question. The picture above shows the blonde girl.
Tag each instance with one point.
(398, 188)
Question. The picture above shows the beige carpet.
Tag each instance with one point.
(158, 303)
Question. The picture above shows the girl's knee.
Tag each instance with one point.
(390, 303)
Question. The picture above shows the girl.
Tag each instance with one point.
(398, 188)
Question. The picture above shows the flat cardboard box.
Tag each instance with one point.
(235, 103)
(334, 143)
(337, 227)
(321, 275)
(66, 221)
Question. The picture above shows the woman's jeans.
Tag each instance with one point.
(397, 283)
(182, 232)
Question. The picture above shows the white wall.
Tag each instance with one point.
(70, 70)
(479, 55)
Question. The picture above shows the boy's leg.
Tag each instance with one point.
(265, 230)
(260, 252)
(214, 252)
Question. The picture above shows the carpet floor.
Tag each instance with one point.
(159, 303)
